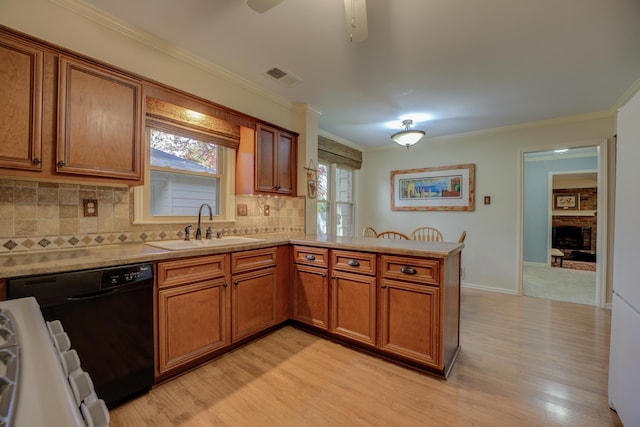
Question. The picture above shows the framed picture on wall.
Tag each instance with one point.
(443, 188)
(566, 201)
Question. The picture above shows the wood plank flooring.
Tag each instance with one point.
(524, 362)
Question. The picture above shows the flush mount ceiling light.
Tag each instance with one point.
(408, 136)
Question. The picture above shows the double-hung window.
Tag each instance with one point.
(335, 204)
(183, 173)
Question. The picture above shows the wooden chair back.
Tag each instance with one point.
(369, 232)
(430, 234)
(392, 235)
(462, 237)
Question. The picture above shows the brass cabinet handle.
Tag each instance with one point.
(383, 285)
(37, 161)
(408, 270)
(324, 274)
(353, 263)
(62, 163)
(225, 284)
(310, 257)
(235, 282)
(333, 276)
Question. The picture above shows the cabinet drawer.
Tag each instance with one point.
(252, 260)
(418, 270)
(311, 256)
(354, 262)
(171, 273)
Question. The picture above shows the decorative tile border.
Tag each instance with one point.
(52, 243)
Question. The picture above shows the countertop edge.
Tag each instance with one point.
(47, 262)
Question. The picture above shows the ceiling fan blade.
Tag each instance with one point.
(356, 18)
(261, 6)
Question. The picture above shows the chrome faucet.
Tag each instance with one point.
(198, 230)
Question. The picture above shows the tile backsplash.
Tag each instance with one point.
(36, 216)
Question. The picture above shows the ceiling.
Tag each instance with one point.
(469, 64)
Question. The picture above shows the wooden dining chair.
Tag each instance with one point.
(430, 234)
(369, 232)
(462, 237)
(392, 235)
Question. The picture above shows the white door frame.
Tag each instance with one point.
(602, 246)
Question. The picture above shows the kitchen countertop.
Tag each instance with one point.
(45, 262)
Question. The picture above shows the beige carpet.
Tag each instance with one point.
(562, 284)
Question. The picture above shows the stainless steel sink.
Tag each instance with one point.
(180, 245)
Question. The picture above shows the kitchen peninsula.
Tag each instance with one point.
(397, 299)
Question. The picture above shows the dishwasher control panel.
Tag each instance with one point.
(125, 275)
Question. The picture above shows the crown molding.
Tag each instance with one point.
(122, 27)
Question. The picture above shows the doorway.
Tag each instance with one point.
(561, 226)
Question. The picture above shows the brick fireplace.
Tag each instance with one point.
(575, 235)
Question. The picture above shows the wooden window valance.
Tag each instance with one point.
(334, 152)
(169, 117)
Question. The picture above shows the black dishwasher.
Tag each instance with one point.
(108, 315)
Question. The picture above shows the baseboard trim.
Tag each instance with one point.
(489, 288)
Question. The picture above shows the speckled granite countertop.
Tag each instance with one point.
(45, 262)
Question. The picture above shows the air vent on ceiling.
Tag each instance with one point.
(283, 76)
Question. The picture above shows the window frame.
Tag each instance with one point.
(332, 201)
(226, 173)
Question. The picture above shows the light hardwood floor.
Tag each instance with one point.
(525, 361)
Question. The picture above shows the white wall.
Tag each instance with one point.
(492, 251)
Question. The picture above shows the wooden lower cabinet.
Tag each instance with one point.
(253, 303)
(193, 310)
(409, 321)
(193, 321)
(310, 299)
(353, 307)
(254, 292)
(353, 295)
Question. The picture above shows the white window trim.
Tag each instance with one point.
(333, 202)
(142, 197)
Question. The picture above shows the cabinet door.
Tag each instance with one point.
(253, 302)
(410, 321)
(193, 320)
(311, 296)
(99, 122)
(266, 159)
(21, 89)
(353, 306)
(286, 163)
(275, 161)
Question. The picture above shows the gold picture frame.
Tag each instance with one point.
(566, 201)
(443, 188)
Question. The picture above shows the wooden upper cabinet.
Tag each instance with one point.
(99, 122)
(21, 91)
(276, 155)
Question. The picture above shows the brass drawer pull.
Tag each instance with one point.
(310, 257)
(353, 263)
(408, 270)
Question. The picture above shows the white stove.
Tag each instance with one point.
(41, 377)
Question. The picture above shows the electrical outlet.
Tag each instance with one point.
(90, 207)
(462, 273)
(266, 210)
